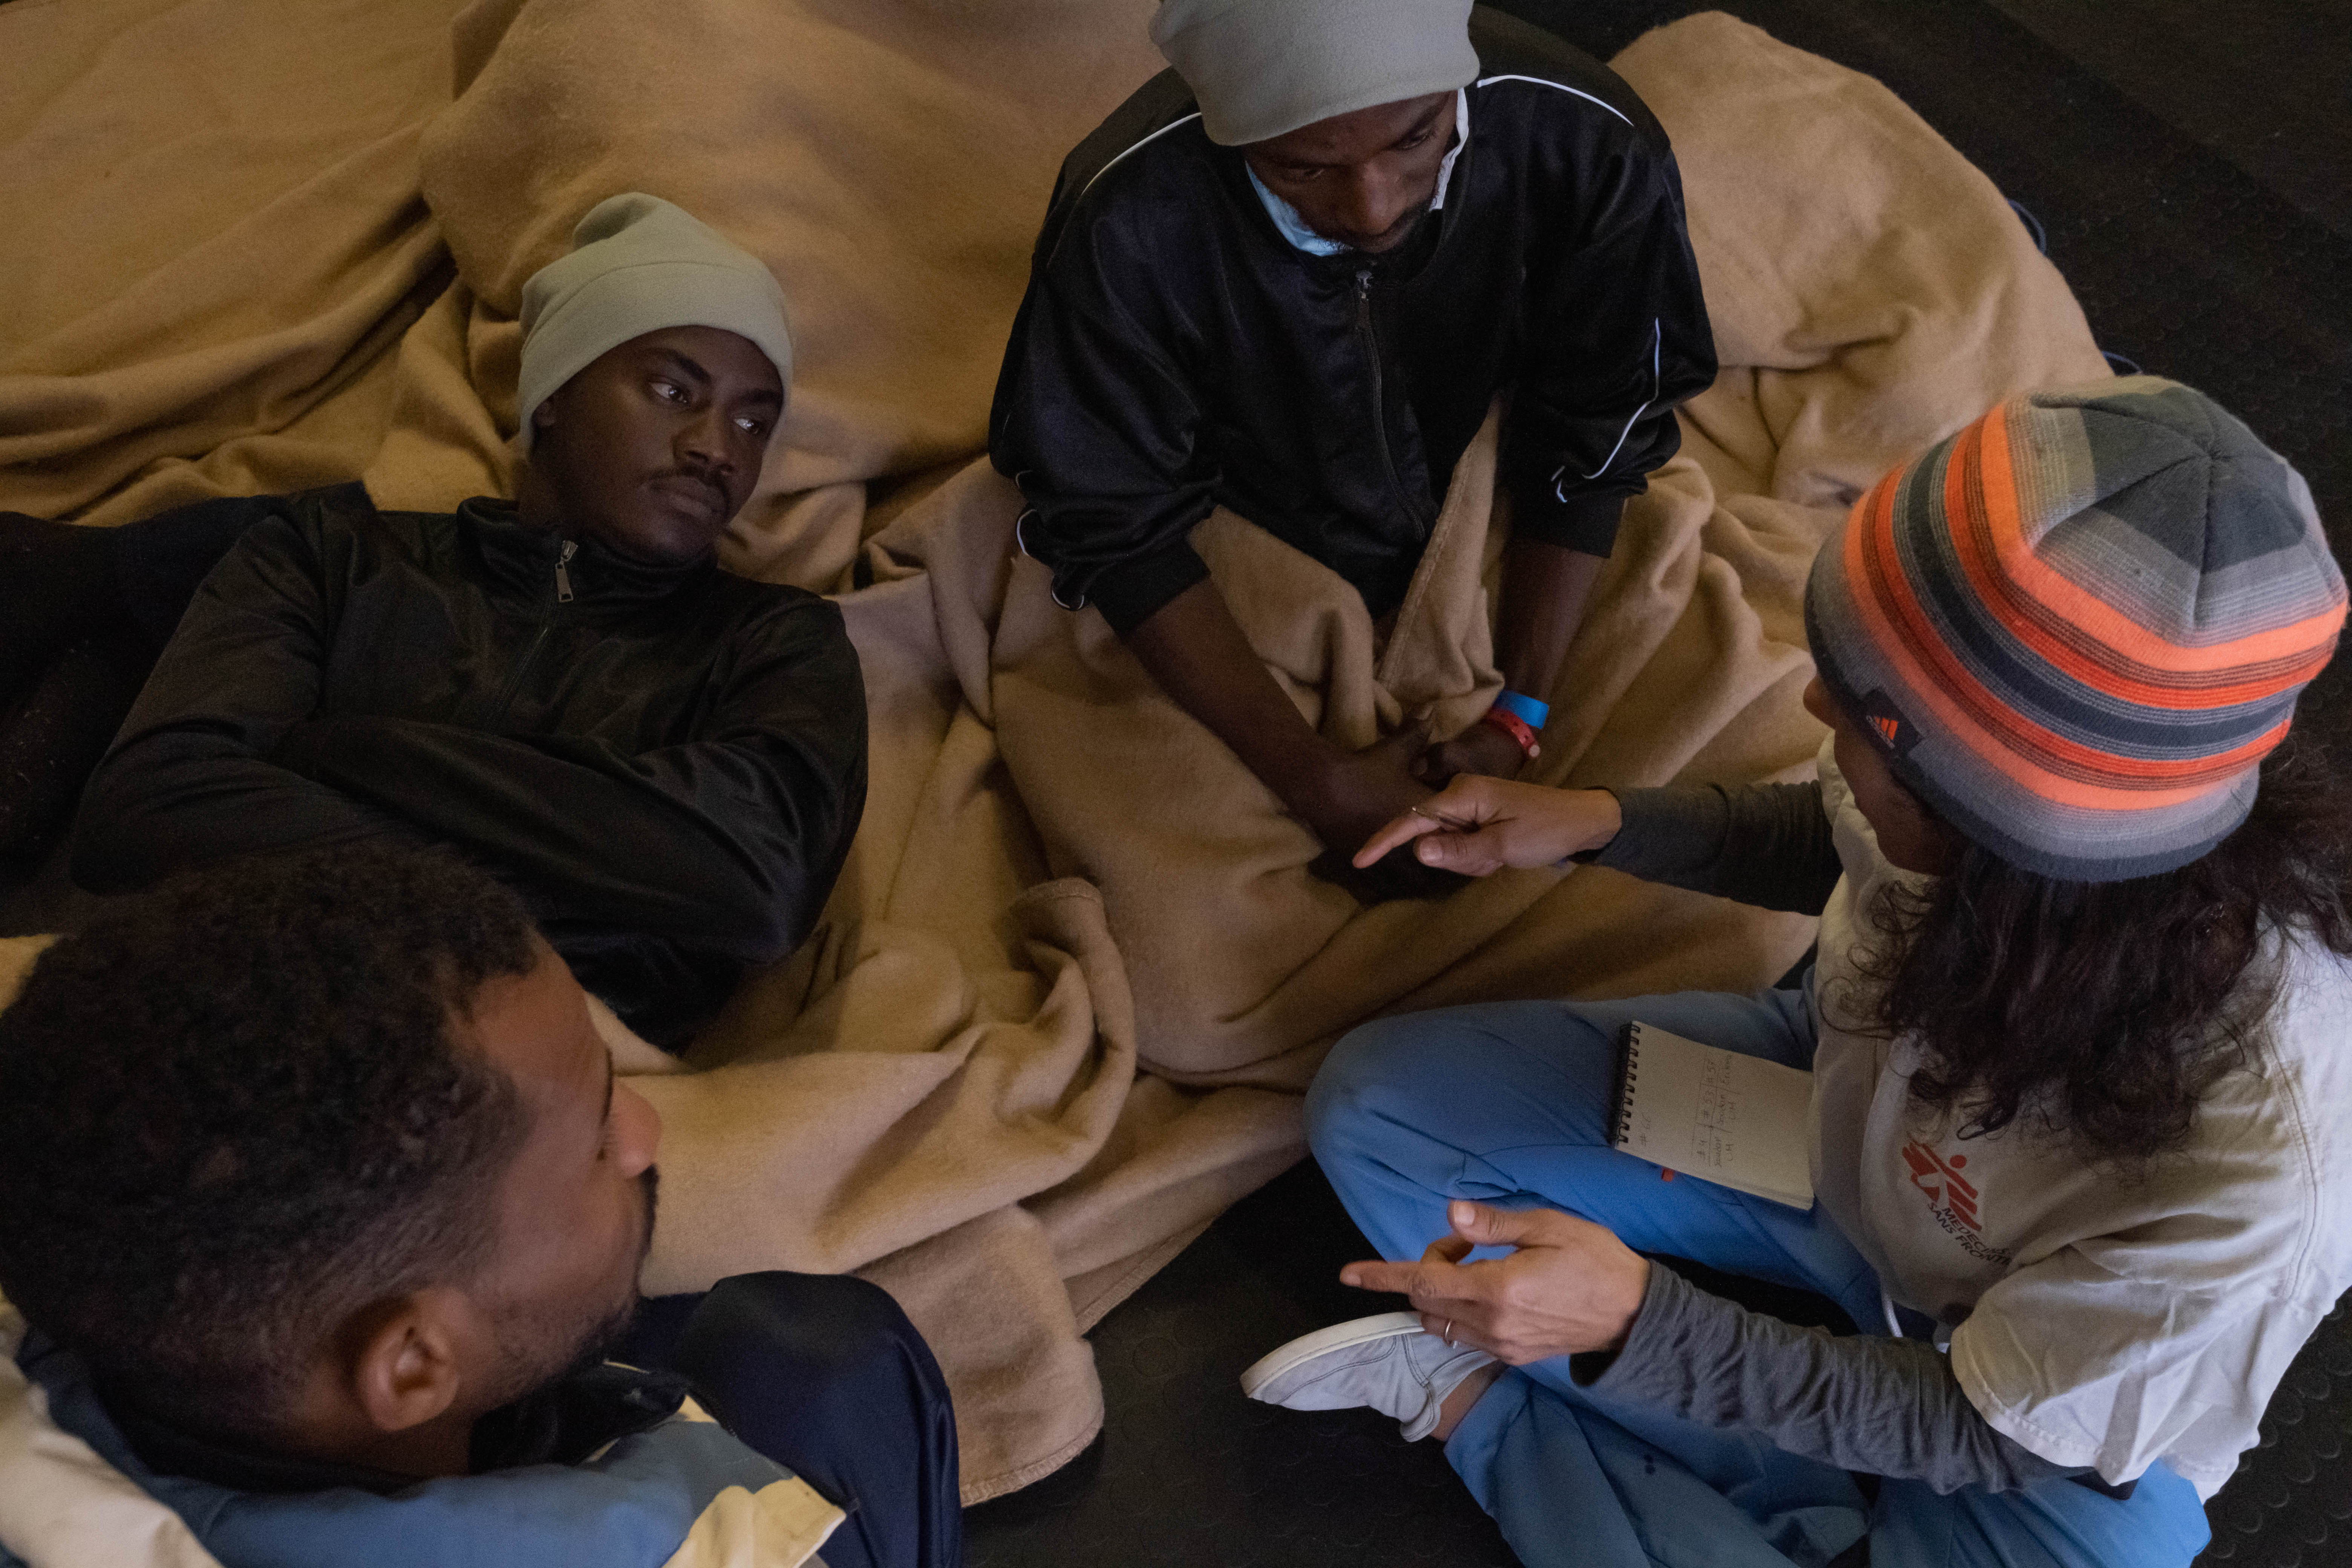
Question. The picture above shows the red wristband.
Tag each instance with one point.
(1511, 724)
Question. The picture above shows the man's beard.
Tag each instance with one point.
(1402, 230)
(608, 1333)
(543, 1356)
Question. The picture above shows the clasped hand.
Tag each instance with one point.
(1481, 749)
(1382, 798)
(1570, 1287)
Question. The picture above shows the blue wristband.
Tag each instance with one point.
(1526, 710)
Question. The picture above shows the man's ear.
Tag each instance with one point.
(405, 1365)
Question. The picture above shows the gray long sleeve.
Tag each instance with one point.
(1765, 845)
(1882, 1406)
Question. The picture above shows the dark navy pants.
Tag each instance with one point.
(823, 1374)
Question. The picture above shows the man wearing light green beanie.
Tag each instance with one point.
(639, 264)
(667, 761)
(1290, 277)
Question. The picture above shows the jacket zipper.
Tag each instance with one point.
(539, 639)
(1370, 334)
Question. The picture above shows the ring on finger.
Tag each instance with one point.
(1448, 1334)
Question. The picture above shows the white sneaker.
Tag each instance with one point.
(1388, 1362)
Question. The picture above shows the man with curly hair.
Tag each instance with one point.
(326, 1210)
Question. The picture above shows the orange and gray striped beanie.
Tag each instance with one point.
(2076, 627)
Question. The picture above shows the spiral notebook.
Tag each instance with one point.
(1714, 1114)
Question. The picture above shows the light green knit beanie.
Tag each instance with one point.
(639, 264)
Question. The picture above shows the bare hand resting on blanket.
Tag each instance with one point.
(1571, 1286)
(1194, 649)
(1476, 826)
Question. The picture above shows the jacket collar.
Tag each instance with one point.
(523, 561)
(561, 1423)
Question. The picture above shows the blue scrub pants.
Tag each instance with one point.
(1506, 1104)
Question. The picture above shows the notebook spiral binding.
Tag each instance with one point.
(1629, 1069)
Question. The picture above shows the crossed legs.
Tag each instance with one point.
(1508, 1104)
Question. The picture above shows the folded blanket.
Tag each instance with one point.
(215, 242)
(1062, 1002)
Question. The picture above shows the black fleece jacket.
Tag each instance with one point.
(1175, 353)
(667, 762)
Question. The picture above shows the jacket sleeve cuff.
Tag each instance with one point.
(1129, 593)
(1583, 521)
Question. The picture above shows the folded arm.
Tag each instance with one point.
(729, 842)
(191, 779)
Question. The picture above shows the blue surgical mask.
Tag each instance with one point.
(1293, 228)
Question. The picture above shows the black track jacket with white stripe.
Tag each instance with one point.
(1175, 352)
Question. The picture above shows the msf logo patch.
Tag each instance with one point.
(1894, 731)
(1953, 1199)
(1941, 1179)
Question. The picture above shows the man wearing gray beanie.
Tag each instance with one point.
(1289, 276)
(666, 761)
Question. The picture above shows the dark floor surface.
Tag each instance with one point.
(2191, 162)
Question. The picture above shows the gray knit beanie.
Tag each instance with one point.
(1260, 69)
(639, 264)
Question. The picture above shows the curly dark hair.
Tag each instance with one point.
(232, 1112)
(2103, 1012)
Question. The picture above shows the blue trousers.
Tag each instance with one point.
(1506, 1104)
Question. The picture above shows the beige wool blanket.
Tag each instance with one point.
(1076, 972)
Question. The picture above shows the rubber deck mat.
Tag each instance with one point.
(1189, 1472)
(2184, 263)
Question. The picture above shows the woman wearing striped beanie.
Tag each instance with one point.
(2076, 627)
(2081, 1128)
